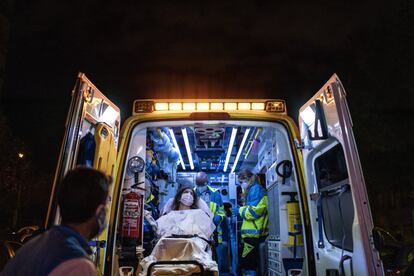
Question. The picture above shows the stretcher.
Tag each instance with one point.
(184, 246)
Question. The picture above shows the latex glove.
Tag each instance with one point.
(216, 220)
(150, 219)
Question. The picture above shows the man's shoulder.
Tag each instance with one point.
(76, 266)
(44, 252)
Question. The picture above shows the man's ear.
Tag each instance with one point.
(100, 209)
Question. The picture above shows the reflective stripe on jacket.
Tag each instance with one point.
(254, 213)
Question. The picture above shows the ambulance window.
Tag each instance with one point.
(336, 197)
(330, 167)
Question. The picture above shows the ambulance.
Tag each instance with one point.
(320, 221)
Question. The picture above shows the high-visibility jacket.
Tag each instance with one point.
(216, 207)
(153, 207)
(254, 213)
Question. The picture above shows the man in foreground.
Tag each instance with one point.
(63, 249)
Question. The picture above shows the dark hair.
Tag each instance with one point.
(82, 190)
(227, 208)
(177, 198)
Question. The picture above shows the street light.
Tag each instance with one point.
(19, 190)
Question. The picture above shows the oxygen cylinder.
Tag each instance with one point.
(294, 221)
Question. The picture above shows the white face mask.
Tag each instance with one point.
(187, 199)
(245, 184)
(101, 221)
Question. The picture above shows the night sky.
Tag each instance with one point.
(218, 49)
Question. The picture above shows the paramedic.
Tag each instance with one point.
(213, 199)
(63, 249)
(255, 221)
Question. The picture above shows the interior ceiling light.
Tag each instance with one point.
(187, 147)
(246, 134)
(229, 149)
(176, 146)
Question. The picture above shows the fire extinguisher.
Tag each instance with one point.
(132, 215)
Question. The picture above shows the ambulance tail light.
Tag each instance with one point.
(144, 106)
(276, 106)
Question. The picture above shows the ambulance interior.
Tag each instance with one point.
(164, 155)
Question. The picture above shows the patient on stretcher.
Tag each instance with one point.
(186, 199)
(184, 234)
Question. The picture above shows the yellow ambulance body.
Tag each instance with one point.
(319, 217)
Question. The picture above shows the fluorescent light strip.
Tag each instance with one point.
(246, 134)
(187, 147)
(229, 149)
(176, 146)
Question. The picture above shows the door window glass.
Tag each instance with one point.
(337, 203)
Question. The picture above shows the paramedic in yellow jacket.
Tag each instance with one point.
(255, 221)
(213, 199)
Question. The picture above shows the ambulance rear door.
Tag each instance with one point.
(90, 139)
(338, 202)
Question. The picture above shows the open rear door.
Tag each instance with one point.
(339, 207)
(91, 139)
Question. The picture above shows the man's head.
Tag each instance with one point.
(201, 182)
(201, 179)
(82, 198)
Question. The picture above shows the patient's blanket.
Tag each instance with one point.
(168, 248)
(186, 222)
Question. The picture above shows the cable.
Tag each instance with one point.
(342, 220)
(344, 188)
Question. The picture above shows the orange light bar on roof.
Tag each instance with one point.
(230, 106)
(258, 106)
(203, 106)
(269, 106)
(161, 106)
(244, 106)
(189, 106)
(175, 106)
(216, 106)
